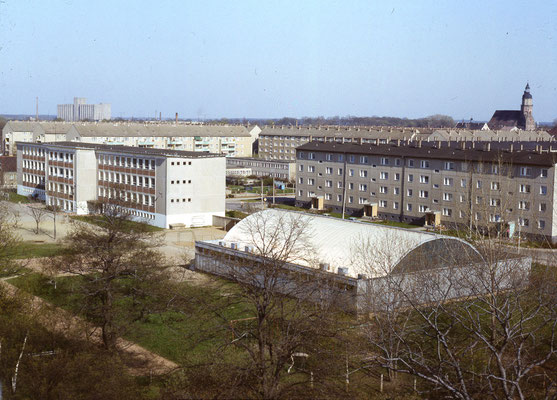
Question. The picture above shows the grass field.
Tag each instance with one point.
(17, 198)
(92, 219)
(35, 250)
(183, 337)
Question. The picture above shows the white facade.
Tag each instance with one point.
(158, 187)
(80, 110)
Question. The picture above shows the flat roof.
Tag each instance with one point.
(499, 151)
(126, 149)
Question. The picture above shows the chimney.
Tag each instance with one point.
(420, 143)
(438, 144)
(160, 116)
(488, 146)
(473, 144)
(521, 147)
(463, 145)
(176, 117)
(512, 147)
(398, 143)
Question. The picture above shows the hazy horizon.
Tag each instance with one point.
(280, 59)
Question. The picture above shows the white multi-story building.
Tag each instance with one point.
(158, 187)
(80, 110)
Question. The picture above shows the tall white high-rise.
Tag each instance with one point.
(80, 110)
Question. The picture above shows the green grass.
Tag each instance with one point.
(35, 250)
(236, 214)
(96, 220)
(186, 336)
(17, 198)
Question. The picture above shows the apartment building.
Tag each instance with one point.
(159, 187)
(231, 140)
(8, 172)
(283, 170)
(279, 143)
(464, 183)
(80, 110)
(31, 131)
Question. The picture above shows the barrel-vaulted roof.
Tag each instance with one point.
(355, 247)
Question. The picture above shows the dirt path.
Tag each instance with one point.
(144, 362)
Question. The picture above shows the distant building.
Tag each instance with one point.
(284, 170)
(8, 172)
(473, 126)
(515, 119)
(80, 110)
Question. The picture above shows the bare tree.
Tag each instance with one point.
(121, 270)
(475, 328)
(37, 212)
(286, 329)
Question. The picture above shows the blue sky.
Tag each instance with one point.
(212, 59)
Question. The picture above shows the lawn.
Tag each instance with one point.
(35, 250)
(184, 336)
(17, 198)
(396, 224)
(95, 220)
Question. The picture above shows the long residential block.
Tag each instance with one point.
(470, 184)
(159, 187)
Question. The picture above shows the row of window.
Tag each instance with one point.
(180, 163)
(124, 195)
(127, 179)
(178, 200)
(176, 182)
(127, 162)
(36, 165)
(411, 163)
(60, 188)
(60, 156)
(61, 172)
(33, 151)
(34, 179)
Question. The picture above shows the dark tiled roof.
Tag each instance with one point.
(470, 125)
(8, 163)
(128, 149)
(506, 119)
(499, 151)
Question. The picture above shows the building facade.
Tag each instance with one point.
(158, 187)
(466, 183)
(8, 172)
(80, 110)
(515, 119)
(283, 170)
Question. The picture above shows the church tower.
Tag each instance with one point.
(526, 109)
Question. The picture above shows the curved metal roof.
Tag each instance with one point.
(359, 247)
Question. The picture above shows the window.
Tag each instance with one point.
(495, 186)
(362, 200)
(410, 178)
(423, 208)
(363, 159)
(424, 179)
(351, 199)
(424, 164)
(397, 176)
(384, 161)
(397, 162)
(301, 180)
(542, 207)
(340, 171)
(525, 171)
(351, 159)
(448, 181)
(311, 168)
(524, 188)
(409, 192)
(479, 199)
(300, 193)
(463, 183)
(447, 196)
(523, 222)
(411, 163)
(383, 189)
(339, 184)
(350, 172)
(329, 157)
(448, 165)
(311, 156)
(350, 186)
(311, 181)
(383, 203)
(543, 190)
(396, 190)
(543, 173)
(339, 197)
(408, 207)
(363, 173)
(301, 168)
(328, 196)
(495, 202)
(395, 205)
(494, 218)
(423, 194)
(494, 169)
(363, 187)
(329, 171)
(447, 212)
(541, 224)
(384, 175)
(329, 184)
(478, 184)
(524, 205)
(340, 157)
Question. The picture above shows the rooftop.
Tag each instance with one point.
(126, 149)
(524, 153)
